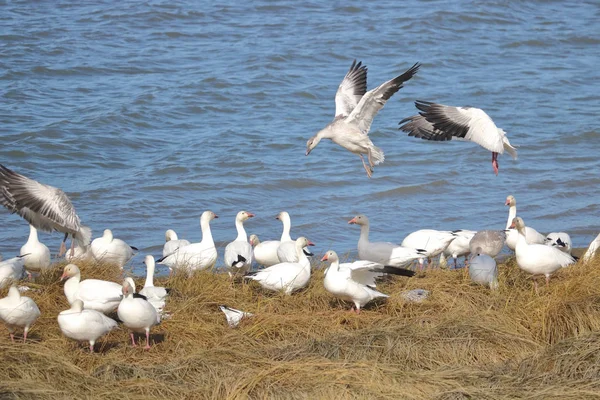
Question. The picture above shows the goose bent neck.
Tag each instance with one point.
(512, 213)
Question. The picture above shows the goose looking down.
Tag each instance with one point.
(43, 206)
(438, 122)
(156, 296)
(355, 109)
(385, 253)
(538, 259)
(84, 325)
(239, 253)
(233, 316)
(483, 269)
(110, 250)
(96, 294)
(196, 256)
(432, 241)
(560, 240)
(286, 276)
(18, 311)
(137, 313)
(11, 270)
(592, 249)
(35, 253)
(172, 242)
(531, 235)
(459, 247)
(265, 253)
(355, 281)
(489, 241)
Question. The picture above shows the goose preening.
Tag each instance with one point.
(172, 242)
(45, 207)
(355, 109)
(592, 249)
(155, 295)
(110, 250)
(265, 253)
(96, 294)
(483, 269)
(35, 253)
(538, 259)
(560, 240)
(438, 122)
(385, 253)
(286, 276)
(195, 256)
(18, 311)
(432, 241)
(233, 316)
(239, 253)
(137, 313)
(531, 235)
(83, 324)
(459, 247)
(355, 281)
(489, 242)
(11, 270)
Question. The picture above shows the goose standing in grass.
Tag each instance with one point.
(286, 276)
(45, 207)
(172, 242)
(385, 253)
(11, 270)
(459, 247)
(233, 316)
(432, 241)
(18, 311)
(84, 325)
(592, 249)
(438, 122)
(531, 235)
(483, 269)
(155, 295)
(196, 256)
(286, 251)
(355, 281)
(560, 240)
(239, 253)
(489, 241)
(265, 253)
(355, 109)
(137, 313)
(35, 253)
(538, 259)
(110, 250)
(96, 294)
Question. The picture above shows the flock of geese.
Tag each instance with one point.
(286, 266)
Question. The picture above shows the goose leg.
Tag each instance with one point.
(368, 169)
(547, 280)
(133, 340)
(495, 162)
(147, 339)
(63, 246)
(535, 285)
(370, 158)
(72, 247)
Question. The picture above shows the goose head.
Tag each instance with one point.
(510, 201)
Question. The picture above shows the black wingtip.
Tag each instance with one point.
(134, 248)
(421, 251)
(139, 296)
(162, 259)
(395, 271)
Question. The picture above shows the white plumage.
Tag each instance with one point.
(155, 295)
(172, 242)
(84, 325)
(96, 294)
(11, 270)
(531, 235)
(265, 253)
(434, 242)
(560, 240)
(239, 253)
(592, 249)
(110, 250)
(233, 316)
(137, 313)
(18, 311)
(483, 269)
(35, 253)
(460, 245)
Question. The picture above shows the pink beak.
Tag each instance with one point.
(352, 221)
(250, 215)
(310, 243)
(325, 258)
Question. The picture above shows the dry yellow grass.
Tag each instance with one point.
(464, 342)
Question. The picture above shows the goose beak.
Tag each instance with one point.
(325, 258)
(352, 221)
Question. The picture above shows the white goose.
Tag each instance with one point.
(434, 242)
(18, 311)
(286, 276)
(157, 296)
(489, 241)
(84, 325)
(35, 253)
(11, 270)
(483, 269)
(43, 206)
(137, 313)
(355, 111)
(438, 122)
(592, 249)
(80, 254)
(196, 256)
(239, 253)
(531, 235)
(110, 250)
(233, 316)
(355, 281)
(385, 253)
(459, 247)
(96, 294)
(265, 253)
(172, 242)
(560, 240)
(538, 259)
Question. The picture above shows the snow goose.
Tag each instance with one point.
(196, 256)
(538, 259)
(459, 247)
(110, 250)
(45, 207)
(355, 111)
(81, 324)
(531, 235)
(592, 249)
(286, 276)
(11, 270)
(35, 253)
(233, 316)
(438, 122)
(137, 313)
(18, 311)
(286, 252)
(491, 242)
(355, 281)
(238, 254)
(172, 242)
(156, 295)
(265, 253)
(80, 254)
(560, 240)
(432, 241)
(385, 253)
(96, 294)
(483, 269)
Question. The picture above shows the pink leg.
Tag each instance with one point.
(535, 285)
(357, 310)
(12, 337)
(547, 280)
(91, 348)
(25, 335)
(495, 162)
(133, 340)
(367, 168)
(147, 339)
(72, 247)
(63, 249)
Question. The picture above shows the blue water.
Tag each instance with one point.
(148, 114)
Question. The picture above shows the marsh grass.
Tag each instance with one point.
(464, 342)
